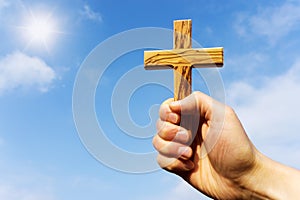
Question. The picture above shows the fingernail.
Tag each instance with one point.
(184, 151)
(174, 103)
(173, 118)
(182, 135)
(189, 165)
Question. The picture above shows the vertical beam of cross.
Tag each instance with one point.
(182, 74)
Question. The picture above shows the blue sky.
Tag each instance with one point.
(41, 154)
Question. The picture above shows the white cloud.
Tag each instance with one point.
(18, 70)
(88, 13)
(251, 62)
(271, 22)
(270, 114)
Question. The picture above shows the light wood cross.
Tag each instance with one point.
(183, 58)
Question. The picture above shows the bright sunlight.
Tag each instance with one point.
(39, 29)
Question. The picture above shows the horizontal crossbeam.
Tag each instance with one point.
(166, 59)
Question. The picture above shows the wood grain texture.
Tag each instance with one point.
(182, 82)
(182, 34)
(207, 57)
(182, 68)
(182, 58)
(182, 73)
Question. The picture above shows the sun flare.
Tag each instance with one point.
(39, 29)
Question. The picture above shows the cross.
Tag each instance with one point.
(183, 58)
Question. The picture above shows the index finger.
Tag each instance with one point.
(166, 114)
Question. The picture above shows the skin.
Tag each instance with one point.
(215, 155)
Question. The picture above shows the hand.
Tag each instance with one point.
(216, 156)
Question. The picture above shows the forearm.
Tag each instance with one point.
(272, 180)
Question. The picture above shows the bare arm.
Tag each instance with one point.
(217, 157)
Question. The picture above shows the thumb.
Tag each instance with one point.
(196, 103)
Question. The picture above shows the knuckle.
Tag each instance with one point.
(167, 148)
(155, 143)
(230, 110)
(165, 163)
(168, 131)
(160, 161)
(159, 125)
(164, 131)
(196, 93)
(163, 110)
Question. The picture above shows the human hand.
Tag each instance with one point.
(216, 157)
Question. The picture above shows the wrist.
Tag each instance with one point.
(271, 180)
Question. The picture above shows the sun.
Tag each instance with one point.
(39, 29)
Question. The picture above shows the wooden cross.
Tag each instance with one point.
(183, 58)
